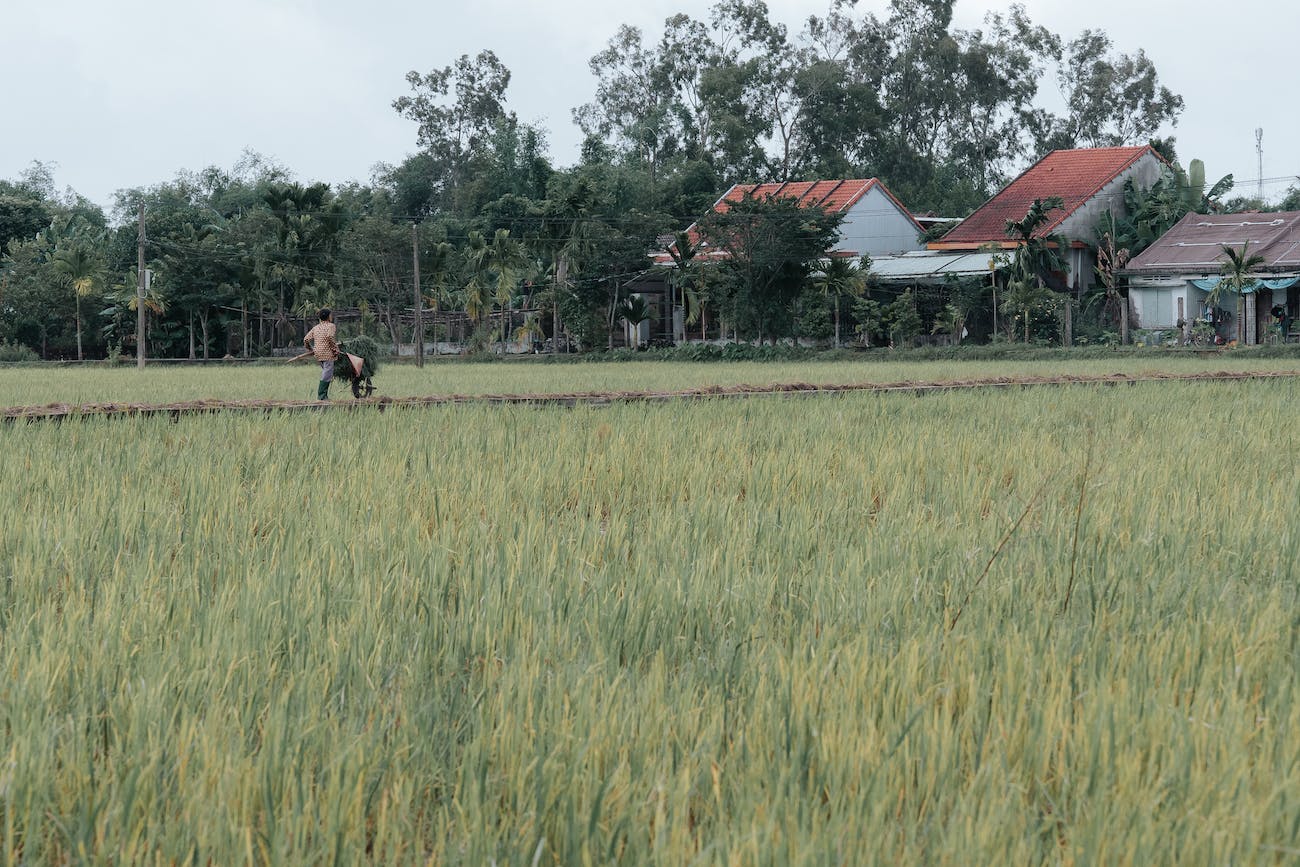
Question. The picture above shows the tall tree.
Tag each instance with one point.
(77, 261)
(1112, 99)
(771, 245)
(457, 109)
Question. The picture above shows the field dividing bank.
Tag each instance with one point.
(284, 382)
(58, 412)
(1008, 626)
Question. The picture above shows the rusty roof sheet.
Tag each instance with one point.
(1195, 244)
(1074, 175)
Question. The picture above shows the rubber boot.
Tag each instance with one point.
(323, 390)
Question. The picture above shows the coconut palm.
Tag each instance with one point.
(476, 294)
(510, 263)
(838, 279)
(83, 272)
(1238, 273)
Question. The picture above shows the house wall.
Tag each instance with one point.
(877, 227)
(1155, 302)
(1082, 224)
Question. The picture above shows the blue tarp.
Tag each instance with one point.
(1209, 283)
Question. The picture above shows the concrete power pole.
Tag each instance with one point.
(139, 293)
(419, 313)
(561, 275)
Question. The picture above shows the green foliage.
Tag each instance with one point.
(869, 316)
(1151, 211)
(772, 247)
(902, 320)
(13, 352)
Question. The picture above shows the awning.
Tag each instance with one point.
(924, 265)
(1209, 283)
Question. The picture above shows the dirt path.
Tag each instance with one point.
(59, 411)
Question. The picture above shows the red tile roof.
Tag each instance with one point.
(1074, 175)
(834, 197)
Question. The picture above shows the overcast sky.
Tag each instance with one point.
(129, 92)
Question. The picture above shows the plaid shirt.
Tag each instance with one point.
(320, 340)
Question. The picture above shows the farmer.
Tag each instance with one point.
(320, 340)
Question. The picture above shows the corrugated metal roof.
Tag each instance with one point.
(1074, 175)
(923, 265)
(1195, 244)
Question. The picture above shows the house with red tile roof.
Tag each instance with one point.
(875, 222)
(1089, 182)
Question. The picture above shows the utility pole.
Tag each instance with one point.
(139, 293)
(419, 313)
(561, 275)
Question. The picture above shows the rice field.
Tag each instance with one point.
(33, 386)
(1016, 627)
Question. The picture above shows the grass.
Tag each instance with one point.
(716, 633)
(165, 384)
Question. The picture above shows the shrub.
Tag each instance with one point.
(16, 352)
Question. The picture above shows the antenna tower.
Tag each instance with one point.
(1259, 152)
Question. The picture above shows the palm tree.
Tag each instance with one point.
(1023, 297)
(477, 292)
(125, 296)
(683, 276)
(838, 279)
(1238, 273)
(510, 264)
(439, 264)
(83, 272)
(634, 311)
(1036, 254)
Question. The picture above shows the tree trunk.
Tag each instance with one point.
(203, 325)
(837, 322)
(243, 330)
(80, 357)
(191, 337)
(392, 331)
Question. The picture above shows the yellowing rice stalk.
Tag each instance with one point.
(716, 633)
(158, 383)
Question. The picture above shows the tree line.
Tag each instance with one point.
(512, 246)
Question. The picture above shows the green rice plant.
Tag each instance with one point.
(714, 633)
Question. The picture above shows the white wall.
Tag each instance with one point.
(876, 226)
(1155, 302)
